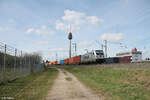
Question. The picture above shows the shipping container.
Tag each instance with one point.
(56, 62)
(116, 60)
(52, 63)
(109, 60)
(61, 62)
(66, 61)
(71, 60)
(126, 59)
(112, 60)
(77, 59)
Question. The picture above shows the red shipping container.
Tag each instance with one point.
(66, 61)
(125, 59)
(71, 60)
(76, 59)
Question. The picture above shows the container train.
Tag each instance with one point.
(93, 57)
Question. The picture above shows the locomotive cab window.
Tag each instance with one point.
(97, 53)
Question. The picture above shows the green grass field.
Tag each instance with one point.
(115, 83)
(31, 87)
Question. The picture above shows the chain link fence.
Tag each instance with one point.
(14, 63)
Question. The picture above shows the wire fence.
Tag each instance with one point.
(14, 63)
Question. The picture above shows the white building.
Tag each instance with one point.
(136, 56)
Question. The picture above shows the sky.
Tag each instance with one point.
(43, 26)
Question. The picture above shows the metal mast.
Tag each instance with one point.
(70, 38)
(105, 48)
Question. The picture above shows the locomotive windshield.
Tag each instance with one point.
(99, 52)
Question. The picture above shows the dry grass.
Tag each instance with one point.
(30, 87)
(116, 81)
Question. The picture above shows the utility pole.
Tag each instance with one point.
(105, 48)
(102, 46)
(70, 38)
(21, 62)
(4, 68)
(15, 62)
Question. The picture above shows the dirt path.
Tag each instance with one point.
(67, 87)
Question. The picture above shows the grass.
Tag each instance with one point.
(65, 73)
(115, 83)
(11, 75)
(31, 87)
(68, 78)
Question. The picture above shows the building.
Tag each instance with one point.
(136, 56)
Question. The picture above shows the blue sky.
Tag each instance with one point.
(43, 25)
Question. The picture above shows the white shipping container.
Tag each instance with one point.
(136, 57)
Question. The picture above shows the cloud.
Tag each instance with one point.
(73, 16)
(41, 31)
(30, 30)
(75, 19)
(112, 37)
(93, 19)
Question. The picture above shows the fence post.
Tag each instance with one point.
(31, 64)
(15, 63)
(26, 65)
(21, 63)
(4, 67)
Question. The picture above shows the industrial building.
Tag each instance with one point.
(134, 55)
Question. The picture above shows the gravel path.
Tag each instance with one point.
(67, 87)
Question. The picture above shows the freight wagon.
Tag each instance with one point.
(66, 61)
(118, 60)
(112, 60)
(126, 59)
(75, 60)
